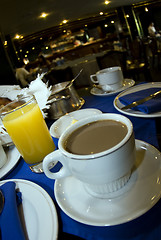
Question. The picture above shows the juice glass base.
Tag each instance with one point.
(38, 168)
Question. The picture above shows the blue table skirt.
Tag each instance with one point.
(146, 227)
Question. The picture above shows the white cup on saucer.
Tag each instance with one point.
(100, 172)
(109, 79)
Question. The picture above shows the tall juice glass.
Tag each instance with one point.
(27, 128)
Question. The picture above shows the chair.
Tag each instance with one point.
(138, 64)
(155, 52)
(112, 58)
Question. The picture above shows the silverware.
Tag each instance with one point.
(1, 201)
(136, 103)
(71, 82)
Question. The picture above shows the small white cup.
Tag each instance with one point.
(3, 157)
(103, 172)
(110, 79)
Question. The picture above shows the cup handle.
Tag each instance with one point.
(92, 78)
(54, 157)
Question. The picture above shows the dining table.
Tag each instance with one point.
(146, 226)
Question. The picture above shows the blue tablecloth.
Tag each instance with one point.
(147, 227)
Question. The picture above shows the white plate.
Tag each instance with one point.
(126, 84)
(118, 105)
(4, 136)
(140, 194)
(39, 211)
(13, 156)
(9, 91)
(59, 126)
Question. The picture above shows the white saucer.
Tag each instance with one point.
(126, 84)
(13, 156)
(38, 211)
(59, 126)
(118, 105)
(140, 194)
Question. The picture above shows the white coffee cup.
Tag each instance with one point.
(3, 157)
(103, 172)
(110, 79)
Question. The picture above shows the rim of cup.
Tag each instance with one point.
(109, 70)
(80, 123)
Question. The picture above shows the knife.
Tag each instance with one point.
(143, 100)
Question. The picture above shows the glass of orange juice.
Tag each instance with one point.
(27, 128)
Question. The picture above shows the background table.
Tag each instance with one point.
(88, 64)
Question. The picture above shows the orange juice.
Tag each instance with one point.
(29, 132)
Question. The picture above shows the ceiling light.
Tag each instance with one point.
(17, 36)
(146, 9)
(64, 21)
(106, 25)
(101, 13)
(112, 21)
(44, 15)
(107, 2)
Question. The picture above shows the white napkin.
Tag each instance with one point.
(41, 91)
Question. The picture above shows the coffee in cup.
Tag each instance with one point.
(109, 79)
(99, 151)
(108, 133)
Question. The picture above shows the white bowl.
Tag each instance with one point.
(59, 126)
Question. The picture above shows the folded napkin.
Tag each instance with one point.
(10, 224)
(151, 106)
